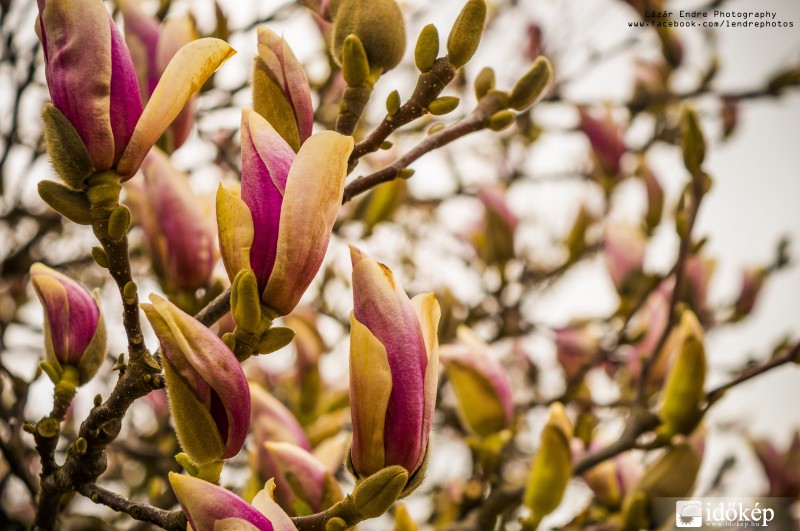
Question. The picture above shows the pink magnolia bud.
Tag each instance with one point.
(75, 332)
(605, 137)
(752, 282)
(480, 383)
(494, 237)
(152, 45)
(624, 247)
(90, 75)
(699, 270)
(209, 507)
(281, 225)
(649, 323)
(576, 347)
(272, 421)
(393, 370)
(303, 484)
(612, 479)
(180, 238)
(208, 392)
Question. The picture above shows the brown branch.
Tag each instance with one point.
(169, 520)
(216, 309)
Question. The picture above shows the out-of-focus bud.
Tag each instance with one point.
(493, 239)
(394, 362)
(655, 199)
(683, 392)
(752, 282)
(673, 474)
(575, 242)
(152, 45)
(782, 468)
(729, 115)
(551, 469)
(272, 421)
(532, 85)
(612, 479)
(82, 49)
(303, 485)
(480, 383)
(281, 93)
(605, 138)
(209, 507)
(534, 43)
(577, 346)
(170, 214)
(649, 324)
(692, 142)
(288, 202)
(379, 26)
(624, 247)
(380, 203)
(74, 329)
(464, 38)
(309, 347)
(208, 392)
(403, 520)
(699, 271)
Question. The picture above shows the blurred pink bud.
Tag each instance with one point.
(534, 45)
(393, 370)
(273, 422)
(699, 270)
(624, 247)
(649, 324)
(303, 484)
(209, 507)
(281, 225)
(75, 332)
(171, 215)
(576, 347)
(481, 384)
(611, 480)
(605, 137)
(90, 75)
(782, 468)
(152, 45)
(493, 239)
(208, 392)
(752, 282)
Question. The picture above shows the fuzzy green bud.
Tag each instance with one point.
(532, 85)
(246, 301)
(466, 33)
(100, 257)
(119, 222)
(275, 339)
(502, 119)
(378, 24)
(692, 142)
(72, 204)
(443, 105)
(373, 496)
(355, 66)
(427, 49)
(68, 154)
(484, 82)
(393, 103)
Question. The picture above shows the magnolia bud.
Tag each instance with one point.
(484, 82)
(72, 204)
(355, 66)
(532, 85)
(427, 49)
(692, 142)
(68, 153)
(379, 26)
(443, 105)
(374, 494)
(466, 33)
(246, 301)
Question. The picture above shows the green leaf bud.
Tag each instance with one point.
(393, 103)
(502, 119)
(71, 204)
(427, 49)
(531, 86)
(484, 82)
(68, 154)
(466, 33)
(378, 24)
(692, 142)
(100, 256)
(355, 66)
(246, 301)
(119, 222)
(374, 495)
(275, 339)
(443, 105)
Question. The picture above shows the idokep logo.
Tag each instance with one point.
(688, 513)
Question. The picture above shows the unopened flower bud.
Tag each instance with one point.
(379, 26)
(427, 49)
(484, 82)
(355, 66)
(465, 36)
(532, 85)
(443, 105)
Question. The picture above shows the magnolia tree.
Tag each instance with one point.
(193, 425)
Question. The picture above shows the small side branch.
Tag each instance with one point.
(169, 520)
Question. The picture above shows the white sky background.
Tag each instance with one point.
(753, 203)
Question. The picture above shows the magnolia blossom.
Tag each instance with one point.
(172, 218)
(75, 332)
(209, 396)
(272, 421)
(209, 507)
(481, 384)
(92, 81)
(281, 224)
(393, 369)
(152, 45)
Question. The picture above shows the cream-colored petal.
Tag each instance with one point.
(428, 312)
(236, 231)
(185, 74)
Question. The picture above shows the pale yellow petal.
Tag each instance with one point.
(235, 224)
